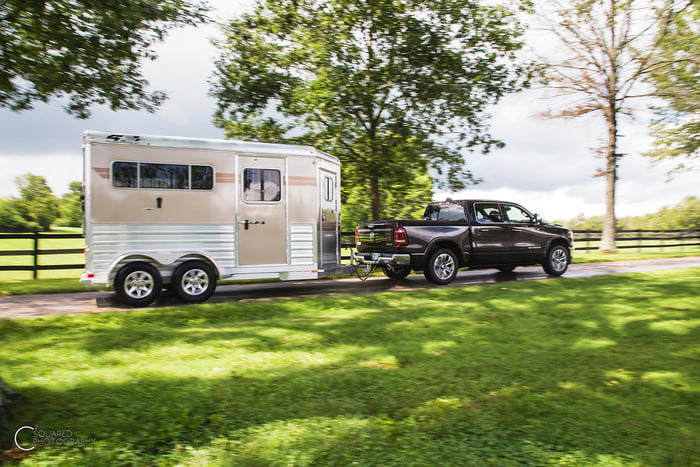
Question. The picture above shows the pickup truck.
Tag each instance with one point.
(454, 234)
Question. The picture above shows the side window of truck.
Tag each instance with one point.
(262, 185)
(487, 213)
(517, 214)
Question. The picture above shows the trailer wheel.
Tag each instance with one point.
(194, 281)
(396, 272)
(441, 267)
(138, 284)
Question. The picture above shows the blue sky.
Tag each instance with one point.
(547, 165)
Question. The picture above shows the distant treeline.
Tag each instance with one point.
(37, 208)
(684, 215)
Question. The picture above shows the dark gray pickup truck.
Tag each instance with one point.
(475, 234)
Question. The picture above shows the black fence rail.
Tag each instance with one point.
(583, 240)
(627, 239)
(36, 252)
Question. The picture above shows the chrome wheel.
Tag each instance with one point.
(441, 267)
(194, 282)
(139, 284)
(444, 266)
(559, 259)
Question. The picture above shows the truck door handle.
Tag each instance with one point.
(248, 222)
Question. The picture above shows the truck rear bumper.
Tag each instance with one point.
(383, 258)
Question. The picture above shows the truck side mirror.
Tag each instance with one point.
(537, 219)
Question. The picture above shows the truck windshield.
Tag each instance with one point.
(444, 212)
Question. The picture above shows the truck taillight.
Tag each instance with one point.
(357, 237)
(400, 236)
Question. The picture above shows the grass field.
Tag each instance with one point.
(600, 371)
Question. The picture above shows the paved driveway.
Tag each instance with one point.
(33, 306)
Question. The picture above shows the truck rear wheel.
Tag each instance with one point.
(194, 281)
(396, 272)
(441, 267)
(138, 284)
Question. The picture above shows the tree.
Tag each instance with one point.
(72, 206)
(36, 202)
(677, 83)
(607, 49)
(89, 51)
(393, 89)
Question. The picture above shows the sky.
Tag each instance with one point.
(547, 165)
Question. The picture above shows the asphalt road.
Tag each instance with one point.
(34, 306)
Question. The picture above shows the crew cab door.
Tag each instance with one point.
(526, 240)
(491, 234)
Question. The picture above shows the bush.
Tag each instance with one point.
(12, 221)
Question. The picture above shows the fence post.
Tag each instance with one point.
(36, 255)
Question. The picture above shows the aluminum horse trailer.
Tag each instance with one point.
(183, 213)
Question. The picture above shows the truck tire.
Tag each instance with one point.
(138, 284)
(194, 281)
(396, 272)
(557, 260)
(441, 267)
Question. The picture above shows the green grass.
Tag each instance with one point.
(600, 371)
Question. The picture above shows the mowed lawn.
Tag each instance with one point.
(600, 371)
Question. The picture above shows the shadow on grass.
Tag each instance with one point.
(527, 373)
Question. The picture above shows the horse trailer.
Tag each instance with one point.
(180, 213)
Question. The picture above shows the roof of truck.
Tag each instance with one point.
(93, 136)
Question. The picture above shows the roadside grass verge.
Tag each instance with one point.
(597, 371)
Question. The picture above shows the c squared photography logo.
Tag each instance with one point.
(29, 437)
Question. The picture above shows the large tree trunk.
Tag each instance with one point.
(607, 242)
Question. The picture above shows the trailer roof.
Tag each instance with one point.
(93, 136)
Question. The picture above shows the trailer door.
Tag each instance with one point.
(330, 217)
(262, 211)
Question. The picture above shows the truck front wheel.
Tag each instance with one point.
(138, 284)
(557, 260)
(441, 267)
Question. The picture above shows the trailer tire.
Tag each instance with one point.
(194, 281)
(441, 267)
(138, 284)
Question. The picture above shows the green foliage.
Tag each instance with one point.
(391, 88)
(89, 51)
(11, 220)
(600, 371)
(399, 201)
(36, 203)
(677, 127)
(72, 207)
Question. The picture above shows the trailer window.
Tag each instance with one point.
(125, 174)
(162, 176)
(167, 176)
(262, 185)
(202, 177)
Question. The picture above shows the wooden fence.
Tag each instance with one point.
(626, 239)
(583, 240)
